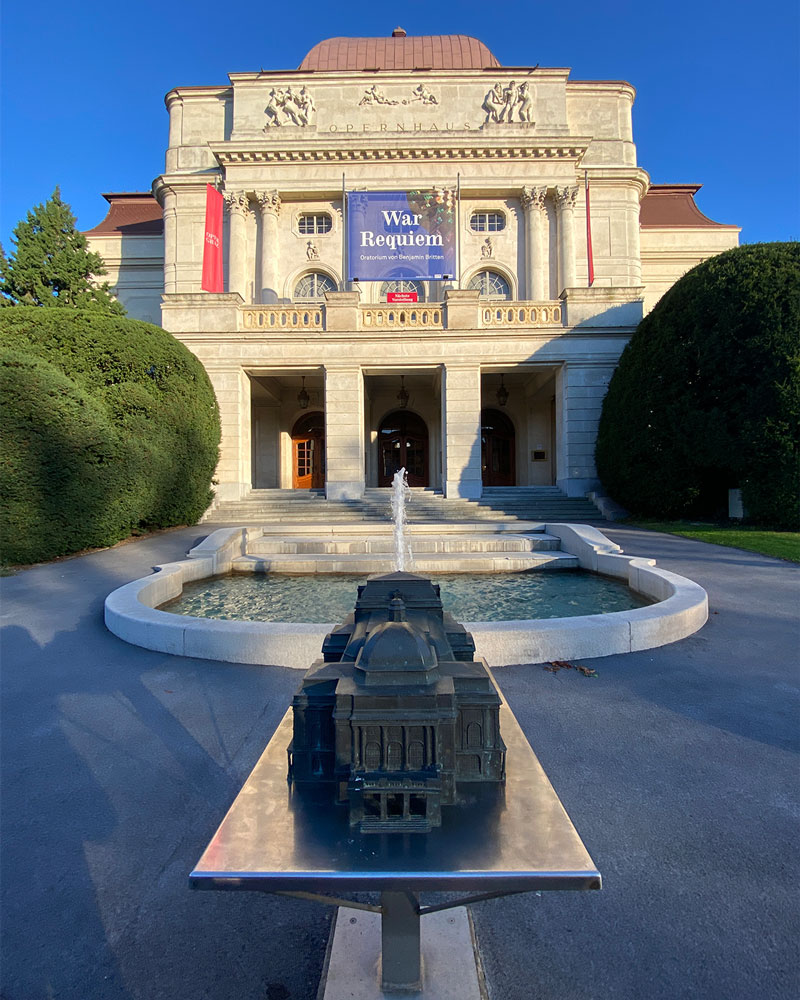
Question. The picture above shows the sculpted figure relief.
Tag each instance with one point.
(312, 253)
(501, 103)
(487, 250)
(374, 96)
(286, 107)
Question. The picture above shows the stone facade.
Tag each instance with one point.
(518, 144)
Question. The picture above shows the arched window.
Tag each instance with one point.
(487, 222)
(403, 285)
(491, 285)
(312, 287)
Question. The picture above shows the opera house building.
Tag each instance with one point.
(408, 274)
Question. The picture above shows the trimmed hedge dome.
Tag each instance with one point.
(707, 394)
(111, 425)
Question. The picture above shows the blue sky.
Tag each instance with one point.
(718, 85)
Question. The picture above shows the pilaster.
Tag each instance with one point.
(232, 389)
(461, 431)
(580, 390)
(344, 432)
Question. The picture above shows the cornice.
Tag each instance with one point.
(472, 148)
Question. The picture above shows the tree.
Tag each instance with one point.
(707, 394)
(110, 425)
(51, 265)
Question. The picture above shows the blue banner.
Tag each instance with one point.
(401, 234)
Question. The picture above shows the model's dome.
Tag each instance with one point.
(400, 52)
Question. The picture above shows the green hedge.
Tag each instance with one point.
(707, 394)
(110, 425)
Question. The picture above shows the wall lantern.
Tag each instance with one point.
(402, 396)
(502, 392)
(303, 397)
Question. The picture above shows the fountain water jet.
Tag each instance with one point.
(400, 493)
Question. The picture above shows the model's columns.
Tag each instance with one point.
(461, 431)
(565, 202)
(234, 470)
(580, 390)
(269, 203)
(344, 433)
(536, 260)
(238, 206)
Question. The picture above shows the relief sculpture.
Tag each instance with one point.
(285, 108)
(501, 103)
(374, 96)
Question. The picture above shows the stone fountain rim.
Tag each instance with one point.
(681, 609)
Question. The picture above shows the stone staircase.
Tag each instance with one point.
(425, 506)
(432, 549)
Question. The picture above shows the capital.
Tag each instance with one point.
(238, 203)
(566, 197)
(269, 202)
(534, 197)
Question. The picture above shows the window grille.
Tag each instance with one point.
(491, 285)
(314, 224)
(313, 286)
(487, 222)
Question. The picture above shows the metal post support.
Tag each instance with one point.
(401, 963)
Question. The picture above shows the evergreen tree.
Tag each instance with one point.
(51, 265)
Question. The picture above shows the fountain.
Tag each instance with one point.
(400, 494)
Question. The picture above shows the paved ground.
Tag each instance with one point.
(678, 766)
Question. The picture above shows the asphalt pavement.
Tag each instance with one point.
(678, 766)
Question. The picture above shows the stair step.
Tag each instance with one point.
(473, 562)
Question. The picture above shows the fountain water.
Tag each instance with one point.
(400, 494)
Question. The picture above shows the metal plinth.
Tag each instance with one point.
(279, 838)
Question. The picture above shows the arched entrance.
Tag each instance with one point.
(498, 466)
(403, 443)
(308, 452)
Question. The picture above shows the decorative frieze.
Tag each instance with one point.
(374, 97)
(351, 154)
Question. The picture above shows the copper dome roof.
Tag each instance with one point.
(399, 52)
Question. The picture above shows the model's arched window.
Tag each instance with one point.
(403, 285)
(487, 222)
(491, 285)
(313, 286)
(314, 223)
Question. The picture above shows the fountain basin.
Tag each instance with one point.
(131, 611)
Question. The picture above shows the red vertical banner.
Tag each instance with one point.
(212, 242)
(589, 254)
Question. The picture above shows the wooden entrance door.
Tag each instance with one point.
(403, 443)
(308, 452)
(498, 446)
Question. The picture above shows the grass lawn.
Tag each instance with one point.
(781, 544)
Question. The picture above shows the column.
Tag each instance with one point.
(232, 389)
(580, 390)
(536, 258)
(565, 202)
(169, 204)
(269, 203)
(238, 206)
(461, 430)
(344, 433)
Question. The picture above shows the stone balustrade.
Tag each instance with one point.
(511, 314)
(368, 318)
(415, 317)
(282, 318)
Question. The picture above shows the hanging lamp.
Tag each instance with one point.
(303, 397)
(502, 392)
(402, 396)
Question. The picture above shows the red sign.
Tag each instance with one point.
(401, 296)
(212, 244)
